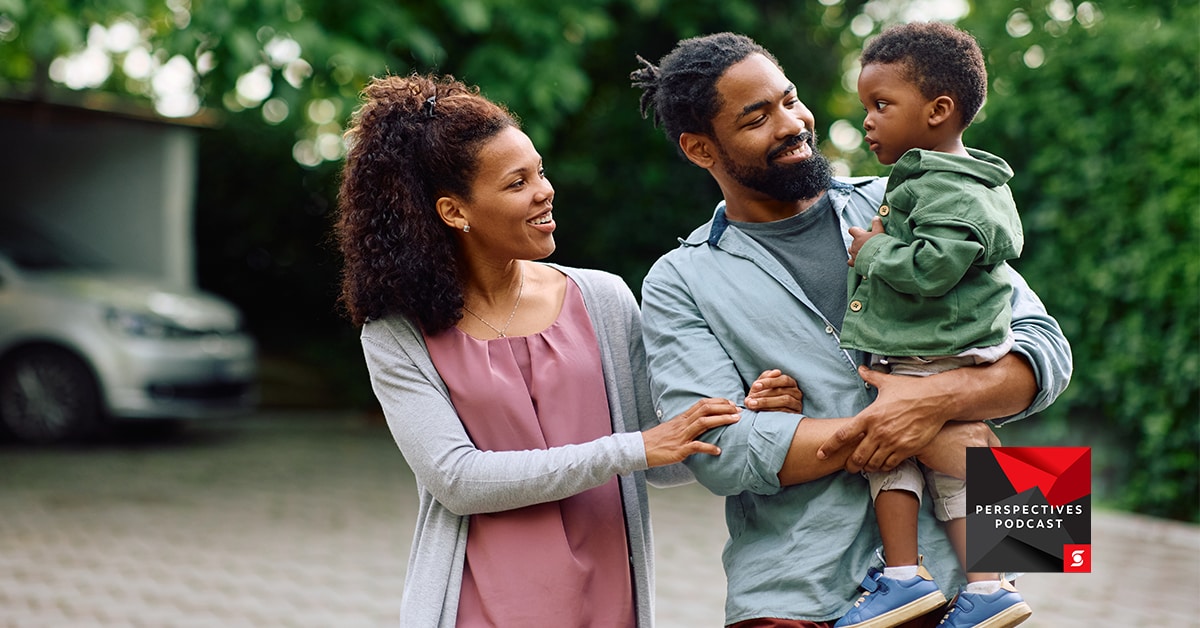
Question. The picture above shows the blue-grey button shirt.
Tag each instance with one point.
(717, 312)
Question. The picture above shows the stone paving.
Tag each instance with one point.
(304, 520)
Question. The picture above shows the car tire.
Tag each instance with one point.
(47, 394)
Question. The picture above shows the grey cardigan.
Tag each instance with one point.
(454, 479)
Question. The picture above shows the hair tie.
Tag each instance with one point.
(429, 103)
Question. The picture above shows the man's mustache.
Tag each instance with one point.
(794, 141)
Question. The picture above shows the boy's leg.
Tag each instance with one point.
(904, 590)
(987, 598)
(896, 511)
(950, 506)
(897, 497)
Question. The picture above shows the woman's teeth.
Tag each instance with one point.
(544, 219)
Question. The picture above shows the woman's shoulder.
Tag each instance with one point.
(390, 329)
(592, 279)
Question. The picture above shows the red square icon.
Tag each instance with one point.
(1077, 558)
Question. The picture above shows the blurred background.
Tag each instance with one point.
(190, 438)
(197, 146)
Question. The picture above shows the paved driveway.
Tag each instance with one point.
(303, 519)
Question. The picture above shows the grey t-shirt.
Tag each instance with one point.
(809, 245)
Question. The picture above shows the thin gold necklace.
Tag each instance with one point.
(501, 332)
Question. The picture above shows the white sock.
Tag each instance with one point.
(983, 586)
(904, 572)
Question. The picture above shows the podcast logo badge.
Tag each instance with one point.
(1077, 559)
(1029, 509)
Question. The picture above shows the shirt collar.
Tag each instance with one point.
(720, 222)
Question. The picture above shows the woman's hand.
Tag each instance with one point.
(674, 440)
(775, 391)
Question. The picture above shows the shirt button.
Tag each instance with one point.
(659, 413)
(829, 329)
(856, 306)
(884, 210)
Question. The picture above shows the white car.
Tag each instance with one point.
(80, 346)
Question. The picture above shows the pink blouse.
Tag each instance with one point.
(563, 563)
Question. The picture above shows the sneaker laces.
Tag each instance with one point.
(871, 584)
(953, 607)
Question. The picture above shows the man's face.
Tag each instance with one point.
(764, 135)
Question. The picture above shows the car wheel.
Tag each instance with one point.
(47, 394)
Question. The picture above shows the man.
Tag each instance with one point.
(763, 285)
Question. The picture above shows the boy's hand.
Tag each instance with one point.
(775, 391)
(861, 236)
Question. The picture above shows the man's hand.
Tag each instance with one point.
(902, 421)
(775, 391)
(948, 451)
(861, 236)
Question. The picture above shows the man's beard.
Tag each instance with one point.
(785, 182)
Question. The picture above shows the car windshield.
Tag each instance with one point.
(31, 249)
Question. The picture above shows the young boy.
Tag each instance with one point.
(929, 292)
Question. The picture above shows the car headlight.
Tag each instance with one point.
(146, 325)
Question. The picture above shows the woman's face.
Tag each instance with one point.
(511, 201)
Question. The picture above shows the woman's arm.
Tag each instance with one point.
(445, 462)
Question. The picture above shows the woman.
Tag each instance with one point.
(516, 390)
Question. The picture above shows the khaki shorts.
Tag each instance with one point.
(948, 492)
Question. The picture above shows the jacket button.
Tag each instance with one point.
(884, 210)
(856, 306)
(829, 329)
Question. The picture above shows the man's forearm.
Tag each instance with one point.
(907, 418)
(994, 391)
(801, 464)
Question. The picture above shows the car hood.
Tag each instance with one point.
(192, 309)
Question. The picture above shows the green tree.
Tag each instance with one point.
(1097, 108)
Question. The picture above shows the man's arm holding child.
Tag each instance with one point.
(909, 414)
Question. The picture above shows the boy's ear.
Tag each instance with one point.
(451, 212)
(941, 109)
(698, 149)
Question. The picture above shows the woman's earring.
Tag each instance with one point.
(466, 228)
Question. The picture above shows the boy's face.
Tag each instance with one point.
(897, 113)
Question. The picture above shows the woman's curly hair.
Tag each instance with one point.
(682, 88)
(415, 139)
(938, 58)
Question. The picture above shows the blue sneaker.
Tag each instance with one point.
(890, 602)
(1001, 609)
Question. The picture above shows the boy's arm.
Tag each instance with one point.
(929, 266)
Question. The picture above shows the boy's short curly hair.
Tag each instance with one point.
(938, 58)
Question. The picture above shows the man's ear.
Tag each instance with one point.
(698, 149)
(941, 109)
(451, 211)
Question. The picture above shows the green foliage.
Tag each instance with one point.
(1104, 137)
